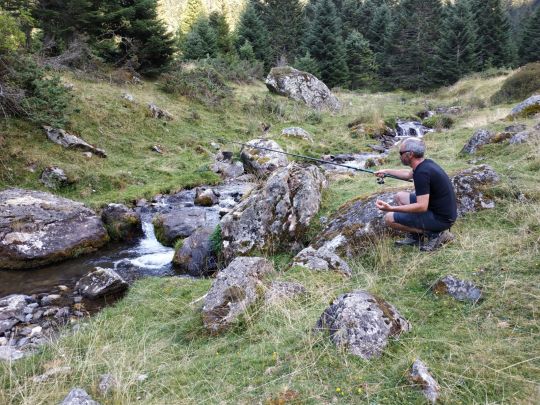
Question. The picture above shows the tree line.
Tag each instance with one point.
(382, 44)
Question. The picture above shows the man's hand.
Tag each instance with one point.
(383, 206)
(380, 173)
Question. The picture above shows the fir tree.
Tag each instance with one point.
(201, 41)
(219, 24)
(456, 48)
(251, 29)
(245, 52)
(360, 61)
(307, 64)
(529, 50)
(194, 10)
(324, 42)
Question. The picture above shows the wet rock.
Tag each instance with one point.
(122, 223)
(235, 288)
(297, 132)
(107, 383)
(323, 259)
(527, 107)
(54, 177)
(159, 113)
(459, 289)
(362, 323)
(262, 162)
(470, 185)
(205, 197)
(197, 256)
(13, 306)
(70, 141)
(101, 282)
(408, 129)
(420, 375)
(78, 396)
(283, 290)
(9, 353)
(275, 215)
(38, 228)
(52, 299)
(224, 165)
(182, 222)
(301, 86)
(480, 138)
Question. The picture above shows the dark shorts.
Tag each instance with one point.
(422, 220)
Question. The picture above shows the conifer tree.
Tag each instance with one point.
(456, 48)
(245, 52)
(219, 24)
(251, 29)
(529, 50)
(324, 42)
(360, 61)
(379, 28)
(307, 64)
(194, 10)
(201, 41)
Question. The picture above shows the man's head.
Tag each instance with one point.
(410, 149)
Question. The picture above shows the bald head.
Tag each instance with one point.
(416, 146)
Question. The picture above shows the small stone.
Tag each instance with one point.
(420, 375)
(33, 305)
(63, 288)
(28, 310)
(106, 383)
(459, 289)
(38, 315)
(23, 342)
(28, 317)
(6, 325)
(3, 341)
(77, 299)
(36, 331)
(88, 155)
(78, 396)
(8, 353)
(142, 377)
(62, 313)
(51, 299)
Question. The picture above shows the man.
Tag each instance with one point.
(431, 209)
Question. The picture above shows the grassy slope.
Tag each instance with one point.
(485, 353)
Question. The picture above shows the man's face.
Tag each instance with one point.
(405, 156)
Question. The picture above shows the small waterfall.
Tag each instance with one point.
(408, 129)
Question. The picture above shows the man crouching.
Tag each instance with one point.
(431, 210)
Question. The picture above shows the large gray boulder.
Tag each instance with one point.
(262, 162)
(234, 290)
(197, 256)
(70, 141)
(38, 228)
(183, 221)
(275, 215)
(122, 222)
(470, 186)
(480, 138)
(101, 282)
(301, 86)
(362, 323)
(527, 107)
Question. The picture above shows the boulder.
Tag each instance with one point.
(323, 258)
(470, 185)
(515, 128)
(78, 396)
(297, 132)
(205, 197)
(38, 228)
(276, 215)
(420, 375)
(159, 113)
(101, 282)
(459, 289)
(525, 136)
(54, 177)
(182, 222)
(70, 141)
(283, 290)
(527, 107)
(480, 138)
(122, 223)
(301, 86)
(197, 256)
(13, 306)
(224, 165)
(263, 162)
(362, 323)
(235, 289)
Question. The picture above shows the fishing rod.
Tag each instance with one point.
(380, 180)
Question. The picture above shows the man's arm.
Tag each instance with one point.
(403, 174)
(421, 205)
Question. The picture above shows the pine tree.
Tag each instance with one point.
(324, 42)
(529, 50)
(201, 41)
(379, 27)
(493, 34)
(456, 48)
(245, 52)
(194, 10)
(360, 61)
(219, 24)
(307, 64)
(251, 29)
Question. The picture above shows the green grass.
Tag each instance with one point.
(483, 353)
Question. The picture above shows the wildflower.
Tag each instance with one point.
(338, 390)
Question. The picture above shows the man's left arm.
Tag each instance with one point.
(421, 205)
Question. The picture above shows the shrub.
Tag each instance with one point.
(438, 121)
(11, 37)
(314, 117)
(31, 93)
(520, 85)
(202, 83)
(236, 70)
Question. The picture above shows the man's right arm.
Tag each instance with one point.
(401, 174)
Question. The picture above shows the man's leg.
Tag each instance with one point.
(389, 220)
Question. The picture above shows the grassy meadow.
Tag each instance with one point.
(486, 353)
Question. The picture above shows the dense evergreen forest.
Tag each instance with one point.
(356, 44)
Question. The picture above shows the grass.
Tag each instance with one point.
(484, 353)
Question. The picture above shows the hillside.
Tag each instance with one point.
(486, 352)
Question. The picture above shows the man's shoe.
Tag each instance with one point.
(412, 239)
(436, 240)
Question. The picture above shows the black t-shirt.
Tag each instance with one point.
(430, 178)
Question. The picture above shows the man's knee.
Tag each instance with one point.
(403, 198)
(389, 218)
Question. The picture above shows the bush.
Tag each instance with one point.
(521, 85)
(438, 121)
(31, 93)
(11, 37)
(202, 83)
(236, 70)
